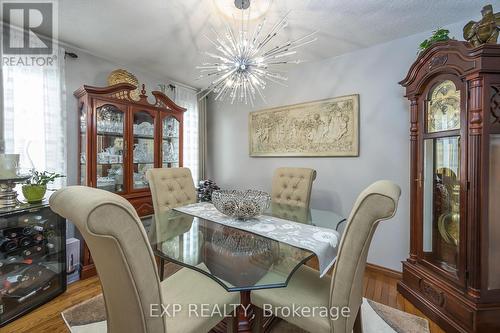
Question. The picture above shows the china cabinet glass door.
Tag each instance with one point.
(143, 147)
(441, 178)
(110, 120)
(170, 142)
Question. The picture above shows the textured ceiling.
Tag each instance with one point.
(166, 37)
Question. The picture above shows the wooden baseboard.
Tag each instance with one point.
(384, 271)
(376, 269)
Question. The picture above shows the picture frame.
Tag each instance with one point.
(323, 128)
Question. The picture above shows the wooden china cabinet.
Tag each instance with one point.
(453, 271)
(121, 138)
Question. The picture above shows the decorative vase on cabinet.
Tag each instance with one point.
(121, 138)
(452, 273)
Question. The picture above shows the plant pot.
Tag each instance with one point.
(34, 193)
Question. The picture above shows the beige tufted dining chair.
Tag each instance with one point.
(170, 188)
(377, 202)
(292, 186)
(126, 267)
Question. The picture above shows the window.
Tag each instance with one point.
(188, 99)
(34, 122)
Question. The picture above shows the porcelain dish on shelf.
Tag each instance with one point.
(142, 153)
(105, 181)
(144, 128)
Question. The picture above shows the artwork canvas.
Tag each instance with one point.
(327, 127)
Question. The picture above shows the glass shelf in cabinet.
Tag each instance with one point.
(120, 134)
(144, 136)
(110, 188)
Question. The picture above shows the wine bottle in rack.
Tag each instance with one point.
(25, 241)
(33, 251)
(7, 245)
(38, 238)
(49, 234)
(27, 253)
(12, 233)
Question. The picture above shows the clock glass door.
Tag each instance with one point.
(441, 178)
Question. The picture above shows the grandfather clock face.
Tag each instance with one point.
(443, 111)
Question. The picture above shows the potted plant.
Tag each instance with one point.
(36, 186)
(438, 35)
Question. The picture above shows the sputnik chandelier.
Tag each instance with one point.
(243, 62)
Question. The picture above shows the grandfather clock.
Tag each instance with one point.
(453, 271)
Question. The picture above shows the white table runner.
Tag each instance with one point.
(321, 241)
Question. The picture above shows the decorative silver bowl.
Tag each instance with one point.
(241, 204)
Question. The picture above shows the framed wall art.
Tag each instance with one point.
(328, 127)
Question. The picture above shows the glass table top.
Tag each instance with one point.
(238, 260)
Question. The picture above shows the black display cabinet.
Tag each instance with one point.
(32, 258)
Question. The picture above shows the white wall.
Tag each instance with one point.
(373, 73)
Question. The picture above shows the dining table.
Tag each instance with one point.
(238, 260)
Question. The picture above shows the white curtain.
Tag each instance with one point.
(187, 98)
(34, 117)
(202, 109)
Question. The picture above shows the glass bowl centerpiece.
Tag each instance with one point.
(241, 204)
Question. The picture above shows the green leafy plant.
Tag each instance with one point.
(438, 35)
(42, 178)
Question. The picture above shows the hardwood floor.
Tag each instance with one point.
(47, 318)
(379, 285)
